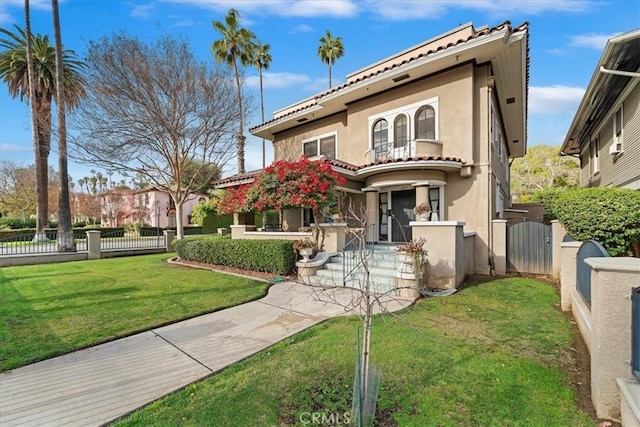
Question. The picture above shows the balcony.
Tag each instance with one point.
(414, 148)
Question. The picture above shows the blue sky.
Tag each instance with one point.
(566, 40)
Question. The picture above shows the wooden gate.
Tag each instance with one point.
(529, 248)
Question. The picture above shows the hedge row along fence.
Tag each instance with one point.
(52, 233)
(610, 216)
(272, 256)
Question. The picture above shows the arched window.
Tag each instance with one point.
(380, 137)
(400, 131)
(426, 123)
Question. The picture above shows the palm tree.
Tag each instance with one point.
(262, 60)
(329, 50)
(65, 240)
(14, 72)
(236, 44)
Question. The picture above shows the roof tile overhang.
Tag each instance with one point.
(621, 53)
(504, 46)
(443, 163)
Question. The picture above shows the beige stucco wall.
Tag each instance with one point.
(288, 144)
(445, 252)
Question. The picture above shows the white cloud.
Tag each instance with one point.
(17, 7)
(302, 28)
(278, 80)
(12, 148)
(142, 10)
(596, 41)
(303, 8)
(554, 99)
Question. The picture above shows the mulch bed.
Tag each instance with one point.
(258, 275)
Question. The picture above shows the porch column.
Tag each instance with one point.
(371, 195)
(422, 192)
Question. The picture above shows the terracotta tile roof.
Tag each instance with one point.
(344, 165)
(506, 24)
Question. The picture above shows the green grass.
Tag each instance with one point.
(490, 355)
(52, 309)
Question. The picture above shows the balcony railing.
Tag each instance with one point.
(406, 149)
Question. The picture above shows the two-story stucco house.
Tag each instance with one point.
(435, 123)
(605, 132)
(150, 205)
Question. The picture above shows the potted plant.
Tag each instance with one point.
(422, 211)
(305, 247)
(411, 255)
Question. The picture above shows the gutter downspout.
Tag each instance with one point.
(619, 73)
(490, 84)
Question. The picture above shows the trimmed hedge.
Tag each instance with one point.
(14, 223)
(272, 256)
(610, 216)
(52, 233)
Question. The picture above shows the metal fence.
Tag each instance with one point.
(392, 150)
(635, 332)
(589, 249)
(119, 240)
(24, 244)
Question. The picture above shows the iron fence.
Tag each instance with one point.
(589, 249)
(25, 244)
(635, 332)
(392, 150)
(119, 240)
(356, 251)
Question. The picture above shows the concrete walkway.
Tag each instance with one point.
(102, 383)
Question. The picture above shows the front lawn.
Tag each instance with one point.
(52, 309)
(494, 354)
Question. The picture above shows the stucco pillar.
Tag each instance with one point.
(93, 244)
(334, 236)
(169, 237)
(557, 234)
(371, 195)
(422, 193)
(611, 282)
(499, 246)
(445, 252)
(568, 252)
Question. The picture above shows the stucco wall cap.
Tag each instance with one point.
(571, 244)
(615, 264)
(436, 223)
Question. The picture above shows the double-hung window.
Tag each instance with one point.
(426, 123)
(324, 145)
(616, 147)
(595, 155)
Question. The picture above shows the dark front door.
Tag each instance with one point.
(402, 204)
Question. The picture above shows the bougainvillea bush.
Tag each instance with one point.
(286, 184)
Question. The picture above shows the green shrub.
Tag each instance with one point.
(610, 216)
(273, 256)
(549, 197)
(17, 223)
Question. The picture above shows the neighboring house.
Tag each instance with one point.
(435, 123)
(605, 132)
(151, 206)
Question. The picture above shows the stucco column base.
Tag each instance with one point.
(557, 234)
(334, 236)
(93, 244)
(499, 246)
(612, 280)
(445, 252)
(629, 402)
(568, 252)
(169, 237)
(407, 288)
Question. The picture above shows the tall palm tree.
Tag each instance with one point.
(14, 72)
(236, 44)
(65, 239)
(262, 60)
(329, 50)
(42, 192)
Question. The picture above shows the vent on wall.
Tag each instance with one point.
(304, 119)
(401, 78)
(511, 100)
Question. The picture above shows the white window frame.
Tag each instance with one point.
(595, 155)
(618, 137)
(317, 140)
(410, 111)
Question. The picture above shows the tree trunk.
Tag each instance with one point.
(65, 240)
(330, 72)
(42, 219)
(240, 136)
(264, 160)
(179, 225)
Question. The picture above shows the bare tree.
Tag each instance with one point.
(364, 297)
(153, 111)
(18, 195)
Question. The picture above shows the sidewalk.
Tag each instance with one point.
(100, 384)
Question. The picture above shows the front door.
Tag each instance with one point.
(402, 204)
